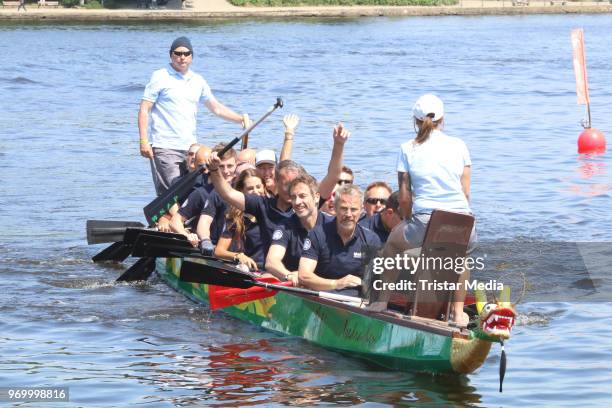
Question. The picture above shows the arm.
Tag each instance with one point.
(326, 187)
(465, 181)
(274, 262)
(290, 121)
(309, 279)
(222, 251)
(203, 228)
(405, 194)
(226, 113)
(143, 127)
(164, 222)
(177, 226)
(227, 193)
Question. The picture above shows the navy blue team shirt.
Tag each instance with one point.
(334, 259)
(291, 235)
(250, 244)
(268, 215)
(205, 200)
(375, 224)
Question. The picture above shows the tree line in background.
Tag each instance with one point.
(281, 3)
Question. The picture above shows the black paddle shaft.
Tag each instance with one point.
(214, 273)
(278, 104)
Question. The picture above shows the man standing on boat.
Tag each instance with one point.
(171, 98)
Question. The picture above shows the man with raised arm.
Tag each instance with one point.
(271, 211)
(334, 252)
(171, 98)
(209, 209)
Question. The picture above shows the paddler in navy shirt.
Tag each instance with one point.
(204, 203)
(385, 220)
(272, 211)
(333, 253)
(288, 238)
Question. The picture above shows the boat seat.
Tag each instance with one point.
(447, 236)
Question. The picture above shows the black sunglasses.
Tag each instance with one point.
(341, 182)
(374, 201)
(182, 53)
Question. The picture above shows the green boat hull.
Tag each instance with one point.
(392, 342)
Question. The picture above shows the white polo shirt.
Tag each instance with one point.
(435, 169)
(175, 98)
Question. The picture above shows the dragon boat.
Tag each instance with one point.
(386, 338)
(396, 330)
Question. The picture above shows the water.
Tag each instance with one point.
(69, 152)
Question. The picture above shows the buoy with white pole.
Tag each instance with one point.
(591, 140)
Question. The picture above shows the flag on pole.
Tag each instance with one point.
(582, 85)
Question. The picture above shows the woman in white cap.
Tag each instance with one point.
(433, 173)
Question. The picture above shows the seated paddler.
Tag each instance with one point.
(241, 238)
(334, 253)
(288, 239)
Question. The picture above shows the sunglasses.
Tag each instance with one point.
(375, 201)
(341, 182)
(182, 53)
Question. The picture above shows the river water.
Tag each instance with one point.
(69, 152)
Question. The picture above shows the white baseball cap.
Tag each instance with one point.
(428, 105)
(265, 156)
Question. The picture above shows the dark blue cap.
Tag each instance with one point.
(181, 42)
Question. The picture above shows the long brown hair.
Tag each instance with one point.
(235, 217)
(425, 126)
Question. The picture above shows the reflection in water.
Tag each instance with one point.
(590, 169)
(266, 372)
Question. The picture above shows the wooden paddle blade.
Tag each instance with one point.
(99, 231)
(141, 270)
(196, 272)
(116, 252)
(220, 297)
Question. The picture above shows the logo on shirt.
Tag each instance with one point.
(357, 255)
(307, 245)
(185, 203)
(278, 234)
(206, 203)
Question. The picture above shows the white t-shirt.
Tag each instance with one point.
(435, 169)
(175, 100)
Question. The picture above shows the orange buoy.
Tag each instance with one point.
(591, 140)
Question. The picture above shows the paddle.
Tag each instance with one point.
(141, 270)
(99, 231)
(216, 273)
(155, 244)
(179, 191)
(118, 251)
(162, 247)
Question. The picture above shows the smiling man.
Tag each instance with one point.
(288, 239)
(333, 254)
(171, 98)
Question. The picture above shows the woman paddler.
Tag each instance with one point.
(433, 172)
